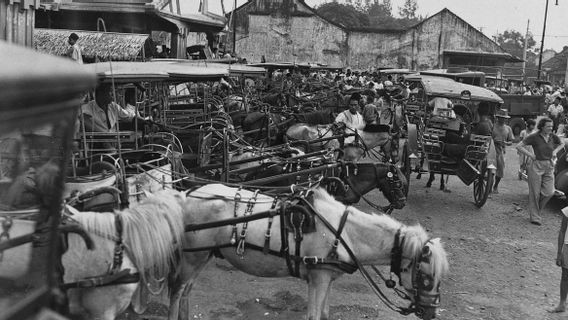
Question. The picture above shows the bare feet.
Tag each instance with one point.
(558, 309)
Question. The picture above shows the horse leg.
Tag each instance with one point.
(419, 168)
(193, 264)
(430, 180)
(442, 183)
(325, 310)
(319, 282)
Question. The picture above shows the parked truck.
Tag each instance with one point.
(522, 108)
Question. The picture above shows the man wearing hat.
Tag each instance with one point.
(502, 137)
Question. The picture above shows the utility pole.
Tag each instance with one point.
(525, 52)
(566, 76)
(235, 27)
(542, 41)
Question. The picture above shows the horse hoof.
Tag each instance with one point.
(428, 185)
(418, 176)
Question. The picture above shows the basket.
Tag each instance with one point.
(467, 172)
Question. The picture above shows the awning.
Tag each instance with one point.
(101, 46)
(193, 22)
(507, 57)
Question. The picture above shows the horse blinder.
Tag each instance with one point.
(397, 189)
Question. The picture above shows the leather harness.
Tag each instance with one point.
(297, 218)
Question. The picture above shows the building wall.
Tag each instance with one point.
(287, 30)
(293, 38)
(17, 19)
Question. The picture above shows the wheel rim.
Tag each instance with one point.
(482, 186)
(406, 166)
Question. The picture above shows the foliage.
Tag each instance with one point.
(513, 42)
(408, 10)
(344, 14)
(370, 13)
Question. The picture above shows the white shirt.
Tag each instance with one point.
(353, 121)
(555, 110)
(76, 53)
(440, 102)
(96, 118)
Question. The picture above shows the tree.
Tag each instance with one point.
(344, 14)
(408, 10)
(514, 42)
(368, 13)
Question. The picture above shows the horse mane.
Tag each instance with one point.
(152, 231)
(415, 237)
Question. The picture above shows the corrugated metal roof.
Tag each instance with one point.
(102, 46)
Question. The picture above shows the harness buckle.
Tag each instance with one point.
(335, 243)
(312, 260)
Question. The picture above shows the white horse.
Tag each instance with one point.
(354, 147)
(367, 240)
(151, 233)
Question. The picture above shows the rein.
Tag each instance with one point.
(356, 264)
(115, 275)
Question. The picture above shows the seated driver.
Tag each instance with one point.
(351, 117)
(484, 127)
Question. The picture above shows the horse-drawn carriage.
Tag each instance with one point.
(38, 108)
(447, 137)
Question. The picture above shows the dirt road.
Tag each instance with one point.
(502, 267)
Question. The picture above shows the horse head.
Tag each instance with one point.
(392, 182)
(422, 264)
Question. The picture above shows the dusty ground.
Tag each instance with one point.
(502, 267)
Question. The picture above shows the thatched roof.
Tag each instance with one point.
(100, 46)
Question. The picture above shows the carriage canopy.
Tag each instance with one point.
(448, 88)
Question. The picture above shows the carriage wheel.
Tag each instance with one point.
(482, 185)
(405, 166)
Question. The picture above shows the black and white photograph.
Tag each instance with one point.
(283, 159)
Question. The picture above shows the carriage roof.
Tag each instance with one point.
(280, 65)
(32, 84)
(233, 69)
(396, 71)
(448, 88)
(124, 71)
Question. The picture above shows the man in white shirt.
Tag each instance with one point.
(351, 117)
(102, 114)
(554, 111)
(74, 51)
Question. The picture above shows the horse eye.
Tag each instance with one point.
(427, 283)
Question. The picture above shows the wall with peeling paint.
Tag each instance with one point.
(289, 30)
(296, 38)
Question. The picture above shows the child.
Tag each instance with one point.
(522, 158)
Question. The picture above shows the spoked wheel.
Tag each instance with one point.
(405, 166)
(482, 185)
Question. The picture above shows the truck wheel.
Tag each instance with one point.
(518, 125)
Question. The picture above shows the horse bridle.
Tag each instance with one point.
(395, 184)
(422, 284)
(422, 297)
